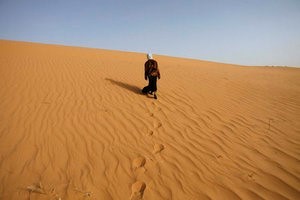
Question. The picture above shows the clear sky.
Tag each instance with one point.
(248, 32)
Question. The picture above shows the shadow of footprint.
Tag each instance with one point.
(137, 190)
(158, 148)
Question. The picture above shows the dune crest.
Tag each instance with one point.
(74, 125)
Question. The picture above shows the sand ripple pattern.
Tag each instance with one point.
(73, 125)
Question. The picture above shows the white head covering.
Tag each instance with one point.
(149, 56)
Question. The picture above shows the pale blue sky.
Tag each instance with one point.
(249, 32)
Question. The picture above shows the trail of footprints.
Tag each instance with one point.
(138, 188)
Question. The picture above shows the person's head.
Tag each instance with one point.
(149, 56)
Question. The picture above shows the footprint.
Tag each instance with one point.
(150, 133)
(137, 190)
(158, 148)
(138, 162)
(159, 124)
(251, 176)
(36, 188)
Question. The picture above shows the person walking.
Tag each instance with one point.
(151, 73)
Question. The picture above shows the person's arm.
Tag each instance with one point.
(158, 73)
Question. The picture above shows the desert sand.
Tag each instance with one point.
(74, 125)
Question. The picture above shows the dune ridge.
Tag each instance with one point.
(74, 125)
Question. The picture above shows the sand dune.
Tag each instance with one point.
(74, 125)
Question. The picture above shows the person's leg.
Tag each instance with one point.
(154, 86)
(148, 90)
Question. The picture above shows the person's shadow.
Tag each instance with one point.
(127, 86)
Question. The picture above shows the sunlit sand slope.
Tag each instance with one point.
(74, 125)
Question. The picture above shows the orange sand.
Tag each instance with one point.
(73, 125)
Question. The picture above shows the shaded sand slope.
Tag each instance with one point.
(73, 125)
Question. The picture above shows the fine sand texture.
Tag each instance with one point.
(74, 125)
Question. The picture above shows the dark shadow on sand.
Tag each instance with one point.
(127, 86)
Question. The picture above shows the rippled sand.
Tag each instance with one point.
(74, 125)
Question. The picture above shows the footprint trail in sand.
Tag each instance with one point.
(74, 120)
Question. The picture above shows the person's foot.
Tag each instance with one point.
(150, 92)
(155, 97)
